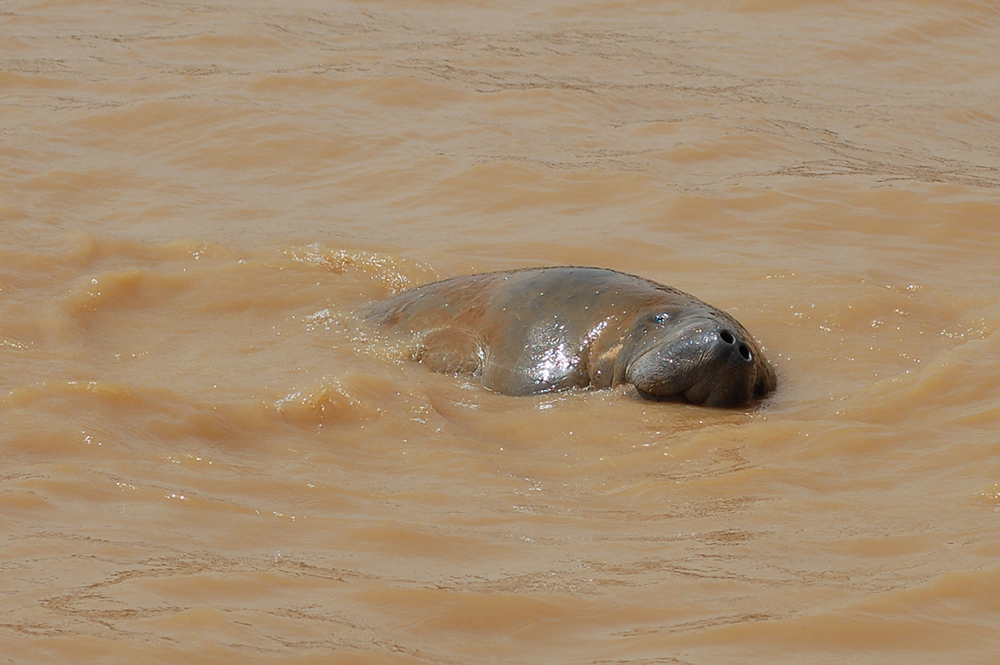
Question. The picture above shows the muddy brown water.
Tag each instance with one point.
(205, 458)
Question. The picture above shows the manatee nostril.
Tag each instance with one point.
(745, 352)
(726, 336)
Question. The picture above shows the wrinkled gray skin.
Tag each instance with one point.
(540, 330)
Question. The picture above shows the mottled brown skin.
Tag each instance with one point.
(539, 330)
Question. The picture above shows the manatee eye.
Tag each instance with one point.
(661, 318)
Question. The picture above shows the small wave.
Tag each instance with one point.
(104, 289)
(958, 382)
(115, 297)
(145, 280)
(90, 249)
(395, 273)
(117, 414)
(110, 394)
(346, 399)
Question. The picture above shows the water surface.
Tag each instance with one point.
(206, 459)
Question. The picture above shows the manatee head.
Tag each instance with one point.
(706, 357)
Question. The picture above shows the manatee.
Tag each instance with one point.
(538, 330)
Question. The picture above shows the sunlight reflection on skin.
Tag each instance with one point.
(556, 358)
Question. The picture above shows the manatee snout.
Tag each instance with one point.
(707, 362)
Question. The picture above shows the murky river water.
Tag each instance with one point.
(205, 459)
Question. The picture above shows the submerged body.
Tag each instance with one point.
(545, 329)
